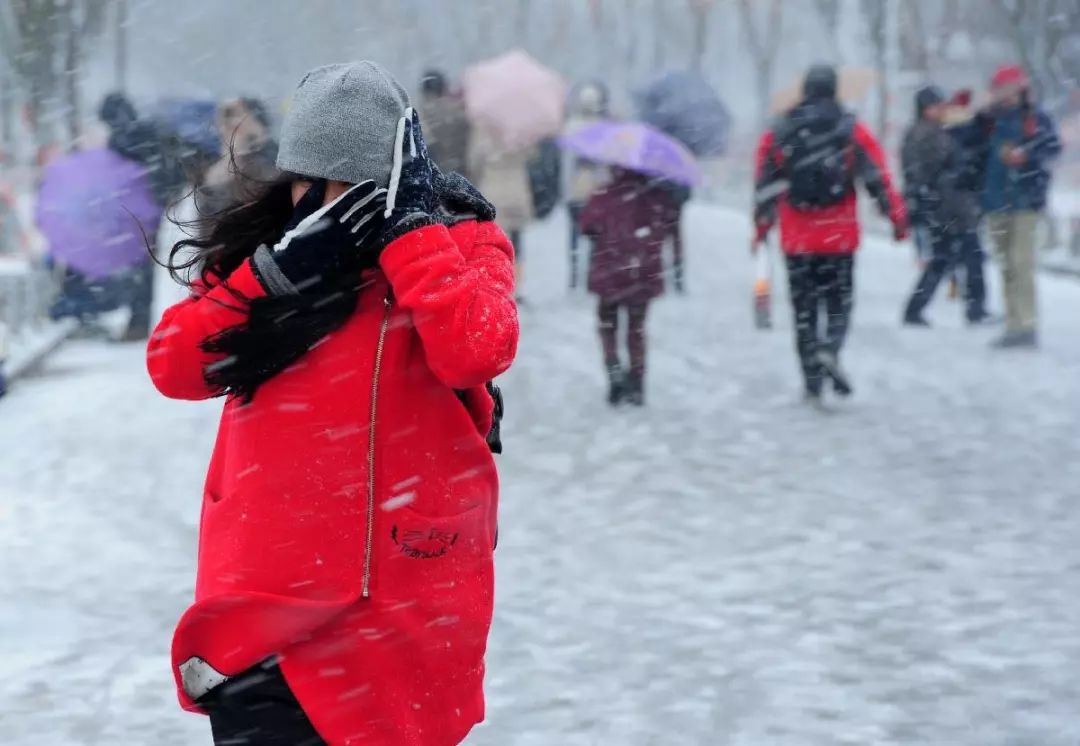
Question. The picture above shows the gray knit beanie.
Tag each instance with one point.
(342, 124)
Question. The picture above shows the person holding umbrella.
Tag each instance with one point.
(629, 220)
(808, 164)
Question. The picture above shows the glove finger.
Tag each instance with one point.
(364, 218)
(357, 194)
(365, 206)
(311, 201)
(419, 143)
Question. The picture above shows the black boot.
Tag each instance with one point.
(635, 389)
(831, 365)
(616, 384)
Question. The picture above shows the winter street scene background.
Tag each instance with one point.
(789, 453)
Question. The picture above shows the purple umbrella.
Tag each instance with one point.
(637, 147)
(93, 207)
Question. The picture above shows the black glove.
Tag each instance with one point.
(411, 202)
(323, 243)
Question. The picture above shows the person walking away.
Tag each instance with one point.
(138, 140)
(84, 297)
(808, 164)
(934, 164)
(628, 221)
(446, 126)
(1023, 142)
(584, 177)
(353, 316)
(502, 175)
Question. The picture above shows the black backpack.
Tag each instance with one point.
(818, 160)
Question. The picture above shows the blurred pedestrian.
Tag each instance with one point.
(132, 174)
(1022, 143)
(445, 124)
(628, 221)
(589, 104)
(247, 162)
(934, 164)
(502, 175)
(367, 334)
(808, 164)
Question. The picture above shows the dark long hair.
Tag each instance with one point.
(277, 329)
(220, 241)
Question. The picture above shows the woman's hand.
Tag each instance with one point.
(327, 240)
(411, 202)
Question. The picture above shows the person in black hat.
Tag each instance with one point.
(943, 210)
(808, 166)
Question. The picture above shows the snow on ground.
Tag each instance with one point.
(725, 567)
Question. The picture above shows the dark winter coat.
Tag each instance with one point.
(1006, 188)
(934, 166)
(628, 220)
(446, 131)
(833, 229)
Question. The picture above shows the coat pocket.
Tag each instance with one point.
(427, 557)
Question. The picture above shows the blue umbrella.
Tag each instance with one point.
(191, 120)
(683, 104)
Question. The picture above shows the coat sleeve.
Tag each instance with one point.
(174, 356)
(590, 221)
(1046, 145)
(874, 172)
(461, 298)
(768, 184)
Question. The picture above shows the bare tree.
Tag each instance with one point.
(764, 42)
(876, 15)
(829, 12)
(700, 11)
(1038, 31)
(46, 42)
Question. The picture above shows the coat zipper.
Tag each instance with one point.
(365, 587)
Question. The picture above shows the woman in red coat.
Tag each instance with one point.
(345, 576)
(628, 220)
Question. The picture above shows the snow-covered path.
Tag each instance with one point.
(724, 567)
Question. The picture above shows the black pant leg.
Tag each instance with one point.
(257, 708)
(973, 259)
(941, 259)
(574, 208)
(837, 278)
(802, 279)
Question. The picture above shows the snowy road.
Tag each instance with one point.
(725, 567)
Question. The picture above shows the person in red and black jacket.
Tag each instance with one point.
(808, 164)
(352, 315)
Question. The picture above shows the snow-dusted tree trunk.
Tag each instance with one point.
(763, 38)
(700, 11)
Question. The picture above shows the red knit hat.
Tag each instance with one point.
(1009, 75)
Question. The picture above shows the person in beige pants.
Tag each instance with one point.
(1013, 237)
(1021, 144)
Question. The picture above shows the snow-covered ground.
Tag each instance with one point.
(724, 567)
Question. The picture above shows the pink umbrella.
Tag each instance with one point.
(515, 98)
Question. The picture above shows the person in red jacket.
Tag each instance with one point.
(807, 167)
(353, 315)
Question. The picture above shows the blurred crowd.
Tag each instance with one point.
(529, 142)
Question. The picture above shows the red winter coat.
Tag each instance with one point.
(349, 515)
(828, 230)
(628, 220)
